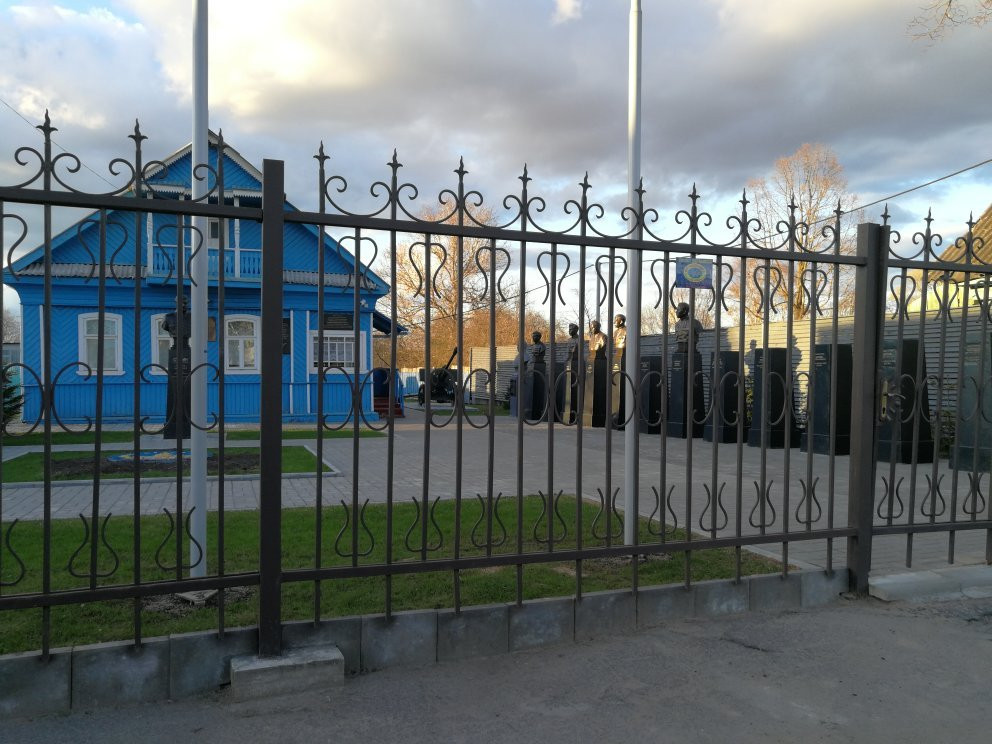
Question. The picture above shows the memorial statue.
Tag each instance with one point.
(619, 335)
(171, 325)
(597, 341)
(573, 344)
(537, 349)
(682, 329)
(177, 423)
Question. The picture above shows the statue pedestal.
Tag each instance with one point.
(618, 412)
(177, 422)
(679, 415)
(972, 448)
(818, 426)
(534, 398)
(649, 418)
(594, 407)
(723, 389)
(772, 409)
(895, 433)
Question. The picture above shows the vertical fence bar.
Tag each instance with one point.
(270, 436)
(869, 307)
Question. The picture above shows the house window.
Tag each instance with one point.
(339, 351)
(213, 233)
(89, 343)
(241, 333)
(161, 343)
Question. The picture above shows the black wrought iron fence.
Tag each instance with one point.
(755, 428)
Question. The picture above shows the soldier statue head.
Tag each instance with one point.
(683, 327)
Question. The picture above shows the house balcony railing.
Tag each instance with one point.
(239, 263)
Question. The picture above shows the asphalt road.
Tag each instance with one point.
(858, 671)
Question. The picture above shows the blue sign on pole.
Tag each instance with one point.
(693, 273)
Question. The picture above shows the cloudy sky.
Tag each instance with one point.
(728, 87)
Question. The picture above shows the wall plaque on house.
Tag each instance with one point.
(338, 322)
(286, 337)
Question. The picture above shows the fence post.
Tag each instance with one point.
(869, 314)
(270, 465)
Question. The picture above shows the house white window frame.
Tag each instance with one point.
(348, 336)
(256, 325)
(82, 337)
(154, 360)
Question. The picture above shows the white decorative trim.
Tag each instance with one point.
(118, 346)
(309, 404)
(255, 321)
(292, 359)
(153, 358)
(348, 336)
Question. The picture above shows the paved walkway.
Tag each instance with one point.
(687, 472)
(853, 672)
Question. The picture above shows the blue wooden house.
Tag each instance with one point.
(151, 255)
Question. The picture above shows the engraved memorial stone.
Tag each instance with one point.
(768, 409)
(900, 403)
(972, 446)
(823, 406)
(723, 389)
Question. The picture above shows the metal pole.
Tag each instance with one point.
(270, 436)
(198, 291)
(632, 429)
(869, 309)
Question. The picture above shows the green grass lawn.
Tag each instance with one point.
(66, 437)
(102, 621)
(296, 433)
(37, 438)
(241, 460)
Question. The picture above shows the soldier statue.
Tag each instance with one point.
(682, 329)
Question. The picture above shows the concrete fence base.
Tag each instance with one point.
(110, 674)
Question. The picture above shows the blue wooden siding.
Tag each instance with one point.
(75, 394)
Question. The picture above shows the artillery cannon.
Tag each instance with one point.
(442, 381)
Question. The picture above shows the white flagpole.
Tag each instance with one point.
(631, 480)
(198, 309)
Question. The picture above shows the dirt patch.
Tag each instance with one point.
(76, 467)
(172, 605)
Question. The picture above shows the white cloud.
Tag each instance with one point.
(567, 10)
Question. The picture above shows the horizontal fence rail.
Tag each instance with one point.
(825, 387)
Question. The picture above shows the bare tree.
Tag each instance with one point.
(11, 326)
(417, 289)
(813, 181)
(940, 17)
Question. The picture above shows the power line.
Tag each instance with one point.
(54, 142)
(859, 208)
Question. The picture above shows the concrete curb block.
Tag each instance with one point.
(343, 632)
(201, 662)
(405, 639)
(609, 613)
(116, 673)
(475, 631)
(774, 593)
(657, 605)
(30, 686)
(112, 674)
(542, 622)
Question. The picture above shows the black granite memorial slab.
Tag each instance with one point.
(534, 396)
(651, 382)
(679, 414)
(177, 422)
(770, 409)
(902, 404)
(594, 406)
(972, 446)
(818, 427)
(723, 389)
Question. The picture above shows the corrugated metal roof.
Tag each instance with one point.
(126, 271)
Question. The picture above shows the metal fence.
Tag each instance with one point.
(746, 486)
